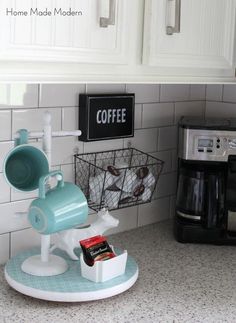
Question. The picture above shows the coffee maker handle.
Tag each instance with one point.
(212, 201)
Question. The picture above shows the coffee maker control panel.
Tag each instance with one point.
(206, 145)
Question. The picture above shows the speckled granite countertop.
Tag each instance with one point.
(177, 283)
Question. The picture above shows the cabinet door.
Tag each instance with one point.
(61, 37)
(204, 43)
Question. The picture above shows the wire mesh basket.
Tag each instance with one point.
(117, 178)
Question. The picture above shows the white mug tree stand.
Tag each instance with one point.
(55, 276)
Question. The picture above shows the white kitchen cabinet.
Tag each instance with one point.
(133, 48)
(202, 42)
(61, 38)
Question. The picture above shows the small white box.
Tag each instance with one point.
(102, 271)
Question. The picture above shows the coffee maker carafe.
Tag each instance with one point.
(206, 192)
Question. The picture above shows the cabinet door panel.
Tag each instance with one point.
(64, 38)
(206, 37)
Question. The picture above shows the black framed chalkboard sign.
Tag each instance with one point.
(106, 116)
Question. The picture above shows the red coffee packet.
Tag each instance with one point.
(96, 249)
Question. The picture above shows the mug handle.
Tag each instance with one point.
(23, 137)
(42, 182)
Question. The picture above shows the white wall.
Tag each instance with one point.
(158, 108)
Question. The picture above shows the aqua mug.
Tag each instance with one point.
(25, 164)
(60, 208)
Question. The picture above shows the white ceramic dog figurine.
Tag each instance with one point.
(68, 240)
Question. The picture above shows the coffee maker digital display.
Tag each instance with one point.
(206, 191)
(206, 143)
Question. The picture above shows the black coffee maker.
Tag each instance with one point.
(206, 191)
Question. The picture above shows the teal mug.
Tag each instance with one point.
(60, 208)
(25, 164)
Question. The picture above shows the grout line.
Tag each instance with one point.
(169, 101)
(19, 230)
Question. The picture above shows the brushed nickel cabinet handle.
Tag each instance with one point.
(170, 30)
(108, 21)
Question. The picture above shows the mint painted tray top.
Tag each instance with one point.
(70, 286)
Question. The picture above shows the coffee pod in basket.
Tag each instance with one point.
(142, 172)
(126, 182)
(96, 183)
(125, 198)
(138, 190)
(113, 170)
(149, 180)
(112, 197)
(101, 181)
(147, 194)
(95, 196)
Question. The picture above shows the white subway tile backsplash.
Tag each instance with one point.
(144, 139)
(157, 210)
(4, 190)
(197, 92)
(18, 195)
(145, 93)
(220, 109)
(174, 92)
(5, 125)
(229, 93)
(68, 172)
(32, 119)
(166, 157)
(103, 145)
(158, 114)
(23, 240)
(166, 185)
(214, 92)
(70, 119)
(195, 108)
(105, 88)
(174, 160)
(4, 249)
(9, 220)
(157, 111)
(138, 116)
(18, 95)
(128, 219)
(63, 149)
(5, 147)
(60, 95)
(167, 138)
